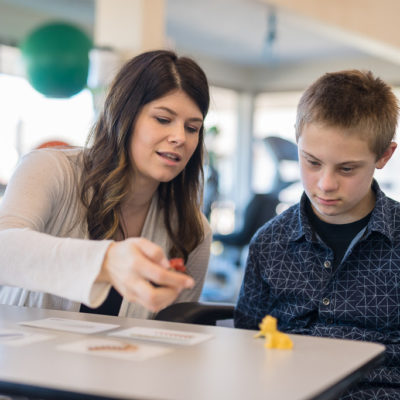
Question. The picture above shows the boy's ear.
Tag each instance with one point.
(386, 155)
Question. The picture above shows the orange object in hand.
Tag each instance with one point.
(177, 264)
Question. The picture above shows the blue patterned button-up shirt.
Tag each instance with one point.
(290, 275)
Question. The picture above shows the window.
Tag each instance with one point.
(220, 139)
(275, 115)
(32, 119)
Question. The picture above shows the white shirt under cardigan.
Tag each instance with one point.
(46, 259)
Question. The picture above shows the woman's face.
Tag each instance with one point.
(165, 136)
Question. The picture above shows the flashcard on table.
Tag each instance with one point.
(13, 337)
(114, 349)
(70, 325)
(162, 335)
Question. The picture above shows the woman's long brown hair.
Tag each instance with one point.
(105, 178)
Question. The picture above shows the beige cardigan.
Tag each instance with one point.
(46, 259)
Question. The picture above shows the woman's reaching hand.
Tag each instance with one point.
(140, 271)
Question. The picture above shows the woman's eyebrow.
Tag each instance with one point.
(194, 119)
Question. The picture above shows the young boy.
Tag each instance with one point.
(330, 265)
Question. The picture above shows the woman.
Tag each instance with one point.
(75, 222)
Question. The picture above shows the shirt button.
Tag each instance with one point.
(327, 264)
(325, 301)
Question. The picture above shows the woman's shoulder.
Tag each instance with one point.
(53, 155)
(53, 159)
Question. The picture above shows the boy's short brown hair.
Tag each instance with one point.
(354, 100)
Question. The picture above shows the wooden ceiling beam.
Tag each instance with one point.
(371, 25)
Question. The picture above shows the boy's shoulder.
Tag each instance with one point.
(390, 205)
(284, 226)
(386, 216)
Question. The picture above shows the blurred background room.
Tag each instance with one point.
(259, 55)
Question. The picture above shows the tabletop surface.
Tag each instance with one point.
(231, 364)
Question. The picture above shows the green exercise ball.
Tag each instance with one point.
(57, 59)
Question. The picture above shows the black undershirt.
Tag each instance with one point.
(337, 236)
(111, 305)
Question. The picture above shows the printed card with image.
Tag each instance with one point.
(70, 325)
(162, 335)
(12, 337)
(114, 349)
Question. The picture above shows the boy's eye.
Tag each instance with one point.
(347, 170)
(313, 163)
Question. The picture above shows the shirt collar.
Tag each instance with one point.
(301, 225)
(380, 221)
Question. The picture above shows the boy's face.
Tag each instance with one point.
(337, 172)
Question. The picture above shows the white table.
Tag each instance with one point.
(231, 365)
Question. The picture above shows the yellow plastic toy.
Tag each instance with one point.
(273, 338)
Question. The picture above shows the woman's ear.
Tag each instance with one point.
(386, 155)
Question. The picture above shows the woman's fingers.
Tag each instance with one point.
(143, 292)
(133, 266)
(154, 298)
(165, 277)
(150, 250)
